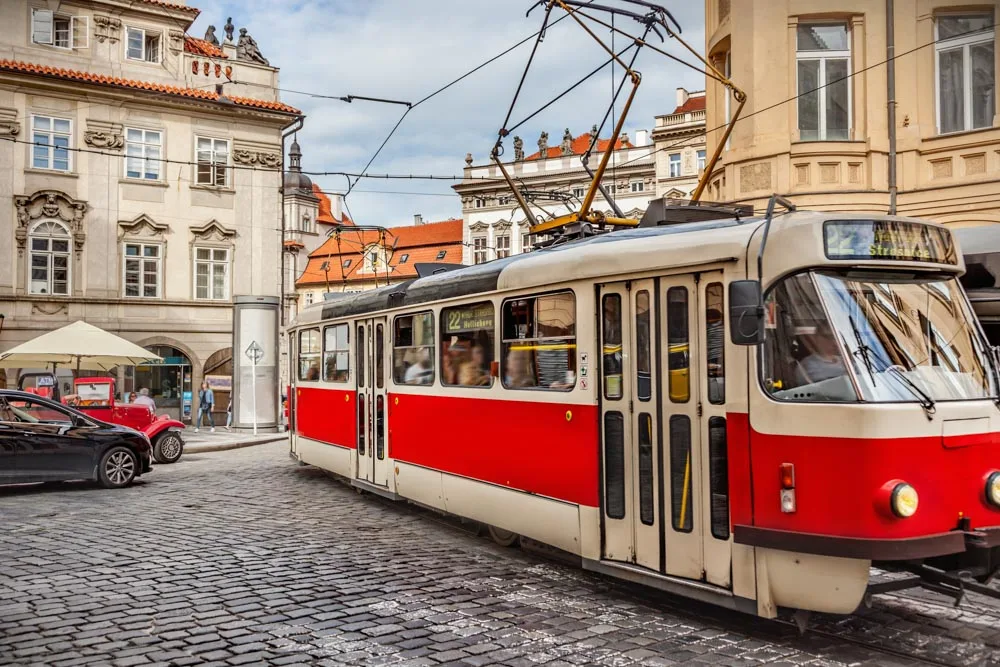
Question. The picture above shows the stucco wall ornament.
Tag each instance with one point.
(9, 128)
(106, 28)
(244, 156)
(49, 204)
(99, 139)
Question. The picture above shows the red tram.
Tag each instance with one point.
(748, 412)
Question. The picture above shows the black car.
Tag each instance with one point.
(44, 441)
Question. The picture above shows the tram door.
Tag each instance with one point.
(370, 350)
(653, 463)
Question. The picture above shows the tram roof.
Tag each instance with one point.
(613, 254)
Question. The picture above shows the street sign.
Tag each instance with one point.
(254, 352)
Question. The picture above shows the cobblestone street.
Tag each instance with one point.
(242, 557)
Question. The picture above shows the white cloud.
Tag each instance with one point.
(406, 49)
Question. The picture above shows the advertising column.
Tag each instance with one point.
(256, 394)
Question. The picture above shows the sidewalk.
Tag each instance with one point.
(206, 441)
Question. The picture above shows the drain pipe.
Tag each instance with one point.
(890, 38)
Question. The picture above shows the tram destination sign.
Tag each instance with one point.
(889, 240)
(473, 318)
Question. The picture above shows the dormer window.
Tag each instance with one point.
(60, 30)
(347, 263)
(441, 254)
(142, 45)
(404, 258)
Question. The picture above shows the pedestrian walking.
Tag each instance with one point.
(206, 403)
(229, 414)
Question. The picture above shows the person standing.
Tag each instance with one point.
(229, 414)
(206, 404)
(145, 399)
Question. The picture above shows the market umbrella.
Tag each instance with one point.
(80, 346)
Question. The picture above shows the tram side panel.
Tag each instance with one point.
(326, 427)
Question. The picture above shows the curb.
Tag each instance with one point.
(223, 446)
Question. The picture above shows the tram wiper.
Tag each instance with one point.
(865, 352)
(926, 402)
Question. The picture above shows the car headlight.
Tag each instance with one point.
(993, 489)
(904, 500)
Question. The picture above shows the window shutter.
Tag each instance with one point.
(81, 32)
(41, 26)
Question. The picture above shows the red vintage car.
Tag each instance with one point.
(96, 397)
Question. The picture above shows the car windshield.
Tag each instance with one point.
(877, 337)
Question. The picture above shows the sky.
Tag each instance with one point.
(407, 49)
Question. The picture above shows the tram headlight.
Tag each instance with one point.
(993, 489)
(904, 500)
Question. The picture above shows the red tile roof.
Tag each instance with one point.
(87, 77)
(171, 5)
(420, 243)
(692, 104)
(202, 48)
(326, 210)
(580, 145)
(292, 243)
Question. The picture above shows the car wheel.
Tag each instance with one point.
(168, 447)
(118, 467)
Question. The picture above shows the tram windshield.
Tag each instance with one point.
(878, 338)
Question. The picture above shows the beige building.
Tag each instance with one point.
(816, 81)
(679, 144)
(139, 188)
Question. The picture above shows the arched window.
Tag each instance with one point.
(49, 258)
(306, 225)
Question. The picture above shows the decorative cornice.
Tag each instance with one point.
(213, 230)
(478, 227)
(49, 204)
(245, 156)
(9, 125)
(176, 40)
(143, 225)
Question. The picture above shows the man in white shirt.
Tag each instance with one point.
(144, 399)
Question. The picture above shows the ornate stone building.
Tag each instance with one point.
(494, 224)
(139, 186)
(679, 140)
(817, 123)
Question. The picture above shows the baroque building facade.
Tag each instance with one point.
(139, 185)
(816, 125)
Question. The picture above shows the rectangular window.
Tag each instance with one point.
(309, 355)
(413, 349)
(614, 465)
(701, 161)
(51, 139)
(681, 501)
(360, 346)
(142, 45)
(611, 346)
(646, 476)
(211, 273)
(715, 341)
(503, 246)
(612, 189)
(404, 258)
(678, 355)
(823, 61)
(643, 353)
(579, 192)
(675, 165)
(336, 353)
(525, 242)
(718, 463)
(637, 186)
(379, 362)
(480, 203)
(966, 72)
(539, 342)
(503, 200)
(308, 298)
(479, 250)
(212, 156)
(50, 261)
(142, 270)
(467, 335)
(441, 254)
(142, 154)
(59, 30)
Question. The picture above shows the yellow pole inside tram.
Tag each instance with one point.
(687, 485)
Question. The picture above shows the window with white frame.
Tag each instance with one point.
(59, 30)
(503, 200)
(579, 192)
(480, 202)
(212, 156)
(966, 72)
(143, 263)
(142, 154)
(637, 186)
(479, 250)
(823, 62)
(305, 225)
(51, 138)
(211, 273)
(675, 165)
(49, 258)
(503, 246)
(611, 188)
(309, 298)
(525, 242)
(701, 160)
(142, 45)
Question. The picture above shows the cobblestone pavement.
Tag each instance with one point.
(242, 557)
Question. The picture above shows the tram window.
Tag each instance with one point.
(646, 476)
(360, 346)
(336, 353)
(715, 341)
(681, 471)
(379, 354)
(718, 464)
(309, 355)
(467, 335)
(413, 349)
(801, 358)
(614, 465)
(539, 342)
(678, 359)
(611, 365)
(643, 376)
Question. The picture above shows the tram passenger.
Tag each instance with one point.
(518, 370)
(421, 372)
(475, 372)
(824, 361)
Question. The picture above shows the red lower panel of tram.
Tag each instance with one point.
(327, 415)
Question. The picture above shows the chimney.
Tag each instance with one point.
(418, 219)
(682, 96)
(641, 138)
(336, 207)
